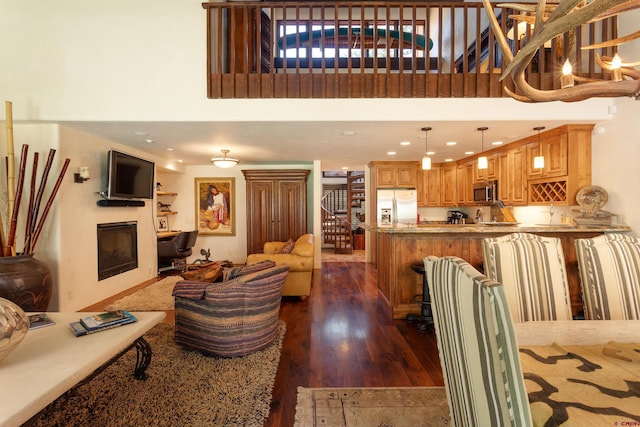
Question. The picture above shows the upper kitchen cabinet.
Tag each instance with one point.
(394, 174)
(512, 183)
(488, 174)
(465, 176)
(448, 184)
(429, 187)
(567, 164)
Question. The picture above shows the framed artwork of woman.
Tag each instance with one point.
(215, 206)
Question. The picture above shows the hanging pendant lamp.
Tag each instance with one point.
(538, 161)
(483, 163)
(426, 160)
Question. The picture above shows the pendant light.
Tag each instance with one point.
(224, 161)
(538, 161)
(483, 163)
(426, 160)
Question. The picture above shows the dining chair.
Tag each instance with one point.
(476, 342)
(533, 272)
(609, 267)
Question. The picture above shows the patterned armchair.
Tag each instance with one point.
(478, 351)
(231, 318)
(610, 276)
(533, 272)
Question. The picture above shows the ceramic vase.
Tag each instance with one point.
(26, 281)
(14, 325)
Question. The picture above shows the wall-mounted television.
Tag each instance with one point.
(129, 177)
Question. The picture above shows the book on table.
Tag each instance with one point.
(79, 328)
(98, 321)
(39, 320)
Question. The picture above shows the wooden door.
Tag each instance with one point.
(290, 221)
(260, 214)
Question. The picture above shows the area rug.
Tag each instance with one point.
(373, 406)
(156, 297)
(184, 388)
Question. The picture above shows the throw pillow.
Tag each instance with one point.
(287, 248)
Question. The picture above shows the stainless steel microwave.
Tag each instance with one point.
(485, 192)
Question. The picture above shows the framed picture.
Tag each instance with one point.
(162, 223)
(215, 206)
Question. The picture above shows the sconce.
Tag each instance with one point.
(82, 175)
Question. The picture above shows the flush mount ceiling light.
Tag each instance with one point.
(224, 161)
(538, 161)
(483, 163)
(426, 160)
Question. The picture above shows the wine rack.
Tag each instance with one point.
(545, 192)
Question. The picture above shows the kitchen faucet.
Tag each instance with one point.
(479, 216)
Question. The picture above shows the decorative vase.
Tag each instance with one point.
(14, 325)
(26, 281)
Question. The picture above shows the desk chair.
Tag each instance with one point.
(172, 252)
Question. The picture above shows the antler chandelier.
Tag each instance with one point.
(550, 21)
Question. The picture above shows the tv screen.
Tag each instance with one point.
(129, 177)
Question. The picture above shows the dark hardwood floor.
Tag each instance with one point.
(341, 337)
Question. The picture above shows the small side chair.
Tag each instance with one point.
(609, 268)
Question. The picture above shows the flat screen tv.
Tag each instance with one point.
(129, 177)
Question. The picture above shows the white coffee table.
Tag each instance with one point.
(51, 360)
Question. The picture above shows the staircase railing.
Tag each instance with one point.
(336, 228)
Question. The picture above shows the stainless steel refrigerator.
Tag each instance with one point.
(396, 206)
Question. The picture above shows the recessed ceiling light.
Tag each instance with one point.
(169, 149)
(179, 160)
(348, 132)
(345, 168)
(430, 153)
(469, 152)
(150, 141)
(141, 133)
(448, 160)
(405, 143)
(496, 143)
(391, 153)
(451, 143)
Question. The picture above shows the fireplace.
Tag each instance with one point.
(117, 248)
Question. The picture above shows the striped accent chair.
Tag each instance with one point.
(476, 342)
(232, 318)
(610, 276)
(533, 272)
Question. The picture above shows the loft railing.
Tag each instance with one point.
(377, 50)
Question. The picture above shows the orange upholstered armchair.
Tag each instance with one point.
(299, 259)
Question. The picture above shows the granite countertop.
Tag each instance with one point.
(498, 227)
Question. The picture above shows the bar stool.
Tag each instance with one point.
(425, 319)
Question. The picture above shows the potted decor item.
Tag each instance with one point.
(24, 279)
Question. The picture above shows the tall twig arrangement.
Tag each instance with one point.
(35, 219)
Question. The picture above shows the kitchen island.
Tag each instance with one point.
(395, 249)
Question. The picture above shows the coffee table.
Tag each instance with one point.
(51, 360)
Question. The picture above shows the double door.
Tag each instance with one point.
(276, 206)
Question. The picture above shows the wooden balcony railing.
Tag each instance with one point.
(377, 50)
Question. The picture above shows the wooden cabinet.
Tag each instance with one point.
(276, 206)
(512, 184)
(429, 187)
(464, 183)
(555, 151)
(395, 174)
(448, 178)
(488, 174)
